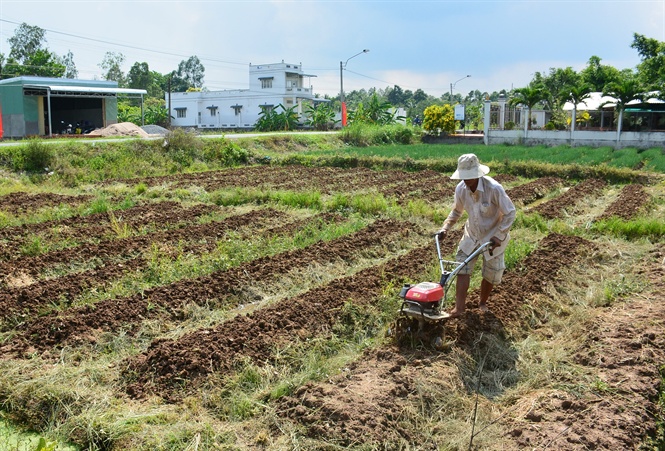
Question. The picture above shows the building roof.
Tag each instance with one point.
(61, 87)
(59, 91)
(597, 100)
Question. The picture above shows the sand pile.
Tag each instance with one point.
(121, 129)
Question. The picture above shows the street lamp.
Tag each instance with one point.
(342, 66)
(452, 85)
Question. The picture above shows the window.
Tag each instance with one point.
(237, 109)
(213, 110)
(181, 112)
(266, 83)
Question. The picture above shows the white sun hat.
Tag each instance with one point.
(468, 167)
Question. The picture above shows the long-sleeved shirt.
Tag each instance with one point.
(491, 213)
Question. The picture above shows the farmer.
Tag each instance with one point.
(490, 215)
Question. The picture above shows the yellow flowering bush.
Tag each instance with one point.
(439, 119)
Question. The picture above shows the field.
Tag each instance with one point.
(249, 307)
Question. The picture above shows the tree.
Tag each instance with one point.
(528, 96)
(395, 96)
(70, 67)
(190, 74)
(598, 75)
(576, 95)
(320, 116)
(139, 76)
(651, 70)
(555, 92)
(27, 40)
(377, 111)
(623, 91)
(419, 96)
(271, 120)
(42, 63)
(112, 66)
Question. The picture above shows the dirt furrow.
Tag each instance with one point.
(532, 191)
(98, 226)
(570, 200)
(131, 247)
(19, 303)
(629, 203)
(372, 396)
(168, 363)
(78, 325)
(626, 346)
(20, 203)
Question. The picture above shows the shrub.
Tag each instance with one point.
(320, 117)
(183, 146)
(439, 119)
(33, 157)
(225, 153)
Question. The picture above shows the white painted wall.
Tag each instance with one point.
(241, 108)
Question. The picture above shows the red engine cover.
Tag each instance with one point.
(425, 292)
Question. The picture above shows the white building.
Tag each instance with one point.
(270, 85)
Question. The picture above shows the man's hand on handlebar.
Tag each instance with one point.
(495, 243)
(441, 234)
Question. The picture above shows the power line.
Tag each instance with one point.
(102, 41)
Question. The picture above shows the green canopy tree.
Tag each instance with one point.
(29, 55)
(376, 111)
(41, 63)
(189, 74)
(70, 67)
(555, 90)
(27, 41)
(651, 69)
(598, 75)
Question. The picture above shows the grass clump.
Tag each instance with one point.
(364, 135)
(242, 196)
(34, 156)
(360, 203)
(634, 229)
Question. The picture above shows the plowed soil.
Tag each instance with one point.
(20, 203)
(629, 203)
(54, 330)
(572, 200)
(375, 401)
(367, 403)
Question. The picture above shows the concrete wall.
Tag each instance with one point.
(640, 140)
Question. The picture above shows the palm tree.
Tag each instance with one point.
(529, 96)
(623, 91)
(577, 94)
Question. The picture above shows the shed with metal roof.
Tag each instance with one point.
(42, 106)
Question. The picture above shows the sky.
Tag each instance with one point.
(417, 44)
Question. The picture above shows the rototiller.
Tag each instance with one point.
(421, 315)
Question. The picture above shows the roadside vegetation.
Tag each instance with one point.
(76, 400)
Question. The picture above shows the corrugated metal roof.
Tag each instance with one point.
(86, 89)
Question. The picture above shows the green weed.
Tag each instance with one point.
(640, 228)
(34, 246)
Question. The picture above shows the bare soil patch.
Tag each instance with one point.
(21, 203)
(629, 203)
(570, 200)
